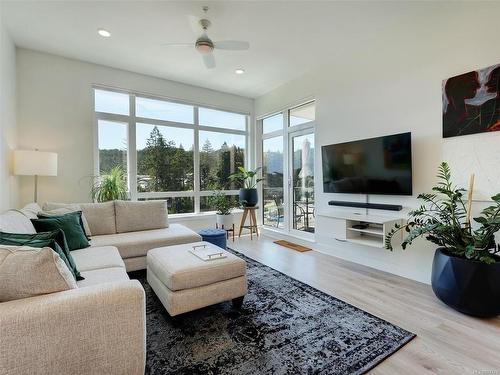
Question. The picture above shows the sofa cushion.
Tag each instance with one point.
(136, 244)
(93, 258)
(27, 272)
(101, 217)
(137, 216)
(14, 221)
(56, 209)
(103, 275)
(70, 223)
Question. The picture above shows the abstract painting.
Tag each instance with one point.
(471, 102)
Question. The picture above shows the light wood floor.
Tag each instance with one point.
(447, 342)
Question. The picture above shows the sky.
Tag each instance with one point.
(274, 144)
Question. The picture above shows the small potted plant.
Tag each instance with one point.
(109, 186)
(248, 193)
(223, 206)
(466, 266)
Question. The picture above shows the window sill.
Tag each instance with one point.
(200, 215)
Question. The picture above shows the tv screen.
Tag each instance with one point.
(370, 166)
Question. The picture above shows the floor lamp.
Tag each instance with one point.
(35, 163)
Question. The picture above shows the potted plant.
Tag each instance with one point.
(248, 193)
(109, 186)
(466, 266)
(223, 207)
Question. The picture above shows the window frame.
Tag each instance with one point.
(131, 120)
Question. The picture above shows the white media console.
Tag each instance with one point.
(343, 226)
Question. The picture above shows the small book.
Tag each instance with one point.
(207, 253)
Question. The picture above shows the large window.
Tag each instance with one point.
(169, 150)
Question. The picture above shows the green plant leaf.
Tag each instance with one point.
(496, 197)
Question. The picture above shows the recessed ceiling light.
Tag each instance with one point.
(239, 71)
(104, 33)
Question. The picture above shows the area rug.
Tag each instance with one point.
(284, 327)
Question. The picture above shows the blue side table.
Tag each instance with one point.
(214, 236)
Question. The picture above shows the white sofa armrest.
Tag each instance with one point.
(91, 330)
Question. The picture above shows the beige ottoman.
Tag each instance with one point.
(183, 282)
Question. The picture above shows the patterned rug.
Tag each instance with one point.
(284, 327)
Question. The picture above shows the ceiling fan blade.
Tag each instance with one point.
(178, 45)
(232, 45)
(209, 60)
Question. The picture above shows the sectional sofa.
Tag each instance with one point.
(99, 327)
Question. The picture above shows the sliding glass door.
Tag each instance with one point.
(288, 170)
(272, 185)
(302, 181)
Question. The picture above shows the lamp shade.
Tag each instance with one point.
(35, 163)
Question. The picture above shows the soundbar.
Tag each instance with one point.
(375, 206)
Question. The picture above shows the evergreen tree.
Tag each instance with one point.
(207, 166)
(155, 161)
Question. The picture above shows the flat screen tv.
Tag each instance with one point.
(379, 165)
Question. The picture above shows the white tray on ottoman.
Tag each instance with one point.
(183, 282)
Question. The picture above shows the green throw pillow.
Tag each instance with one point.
(44, 214)
(71, 225)
(54, 239)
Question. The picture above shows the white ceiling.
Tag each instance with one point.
(287, 39)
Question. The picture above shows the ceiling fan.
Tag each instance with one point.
(205, 46)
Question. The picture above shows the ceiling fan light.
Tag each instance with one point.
(204, 48)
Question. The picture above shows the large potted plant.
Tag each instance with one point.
(223, 206)
(466, 266)
(109, 186)
(248, 193)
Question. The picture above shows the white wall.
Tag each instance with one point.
(8, 138)
(398, 89)
(55, 113)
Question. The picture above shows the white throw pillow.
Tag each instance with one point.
(31, 210)
(14, 221)
(28, 271)
(56, 209)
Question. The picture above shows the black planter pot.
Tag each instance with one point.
(249, 197)
(469, 286)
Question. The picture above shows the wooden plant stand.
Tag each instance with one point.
(250, 212)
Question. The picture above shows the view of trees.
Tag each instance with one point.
(217, 165)
(165, 166)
